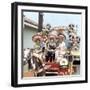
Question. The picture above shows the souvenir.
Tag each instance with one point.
(49, 44)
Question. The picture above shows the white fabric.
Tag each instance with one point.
(60, 51)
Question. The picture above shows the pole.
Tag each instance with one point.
(40, 24)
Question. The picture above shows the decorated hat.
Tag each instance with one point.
(37, 37)
(62, 36)
(51, 36)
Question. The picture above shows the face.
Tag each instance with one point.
(51, 40)
(38, 41)
(61, 39)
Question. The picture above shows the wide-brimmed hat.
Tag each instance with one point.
(62, 36)
(37, 37)
(51, 36)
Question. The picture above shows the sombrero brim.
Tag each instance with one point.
(52, 36)
(62, 36)
(37, 37)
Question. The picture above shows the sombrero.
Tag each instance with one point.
(37, 37)
(62, 36)
(51, 36)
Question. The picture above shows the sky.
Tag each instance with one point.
(57, 19)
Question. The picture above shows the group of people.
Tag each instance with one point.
(53, 47)
(54, 44)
